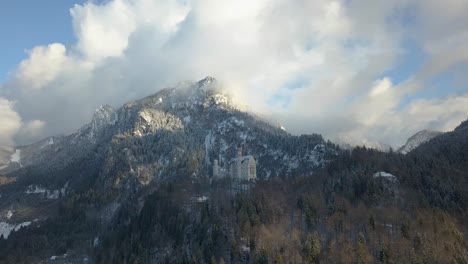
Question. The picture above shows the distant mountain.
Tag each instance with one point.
(348, 143)
(418, 139)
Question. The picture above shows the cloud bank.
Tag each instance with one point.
(341, 68)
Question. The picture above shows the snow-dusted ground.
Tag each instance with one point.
(6, 228)
(49, 194)
(53, 194)
(386, 175)
(202, 199)
(35, 189)
(49, 142)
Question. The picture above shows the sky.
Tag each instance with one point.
(350, 70)
(26, 24)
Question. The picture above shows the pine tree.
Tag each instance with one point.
(311, 248)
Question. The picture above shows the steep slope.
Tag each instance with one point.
(417, 139)
(181, 131)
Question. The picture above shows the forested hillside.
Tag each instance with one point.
(342, 214)
(135, 186)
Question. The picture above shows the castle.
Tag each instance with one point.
(242, 168)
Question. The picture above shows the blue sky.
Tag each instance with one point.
(25, 24)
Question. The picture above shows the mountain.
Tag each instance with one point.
(123, 153)
(193, 118)
(417, 139)
(148, 138)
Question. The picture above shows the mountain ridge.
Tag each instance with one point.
(177, 131)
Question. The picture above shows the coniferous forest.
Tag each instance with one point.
(341, 214)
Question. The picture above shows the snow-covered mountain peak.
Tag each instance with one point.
(202, 89)
(205, 93)
(205, 82)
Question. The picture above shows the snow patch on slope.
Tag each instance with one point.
(16, 157)
(6, 228)
(45, 193)
(386, 175)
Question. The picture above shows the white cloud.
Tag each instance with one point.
(31, 129)
(42, 66)
(10, 122)
(317, 65)
(443, 114)
(103, 30)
